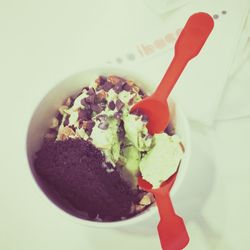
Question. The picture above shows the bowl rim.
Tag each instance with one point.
(152, 210)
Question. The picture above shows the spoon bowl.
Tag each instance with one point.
(154, 109)
(188, 45)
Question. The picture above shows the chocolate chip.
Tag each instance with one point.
(101, 95)
(103, 125)
(90, 124)
(88, 132)
(119, 105)
(66, 121)
(101, 80)
(84, 114)
(121, 131)
(90, 99)
(98, 88)
(127, 87)
(107, 86)
(59, 117)
(170, 130)
(111, 105)
(91, 91)
(141, 93)
(117, 115)
(144, 118)
(118, 87)
(96, 108)
(103, 104)
(84, 103)
(89, 127)
(137, 112)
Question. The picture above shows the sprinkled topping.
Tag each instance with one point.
(137, 112)
(59, 116)
(91, 91)
(84, 114)
(107, 86)
(127, 87)
(89, 126)
(170, 130)
(66, 121)
(103, 104)
(121, 131)
(111, 105)
(101, 80)
(115, 79)
(119, 87)
(118, 115)
(90, 99)
(135, 88)
(96, 108)
(141, 93)
(101, 95)
(83, 124)
(65, 133)
(131, 101)
(119, 105)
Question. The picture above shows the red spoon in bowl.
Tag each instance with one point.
(188, 45)
(171, 228)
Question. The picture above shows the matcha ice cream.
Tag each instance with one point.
(162, 160)
(99, 116)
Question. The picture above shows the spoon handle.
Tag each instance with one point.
(171, 228)
(188, 45)
(164, 203)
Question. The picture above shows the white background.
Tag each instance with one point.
(41, 43)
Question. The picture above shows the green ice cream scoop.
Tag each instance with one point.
(162, 160)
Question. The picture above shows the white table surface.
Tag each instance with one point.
(36, 52)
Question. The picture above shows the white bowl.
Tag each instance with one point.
(52, 101)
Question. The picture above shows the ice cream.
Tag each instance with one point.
(96, 148)
(162, 160)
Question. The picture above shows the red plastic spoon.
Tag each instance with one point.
(188, 45)
(171, 229)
